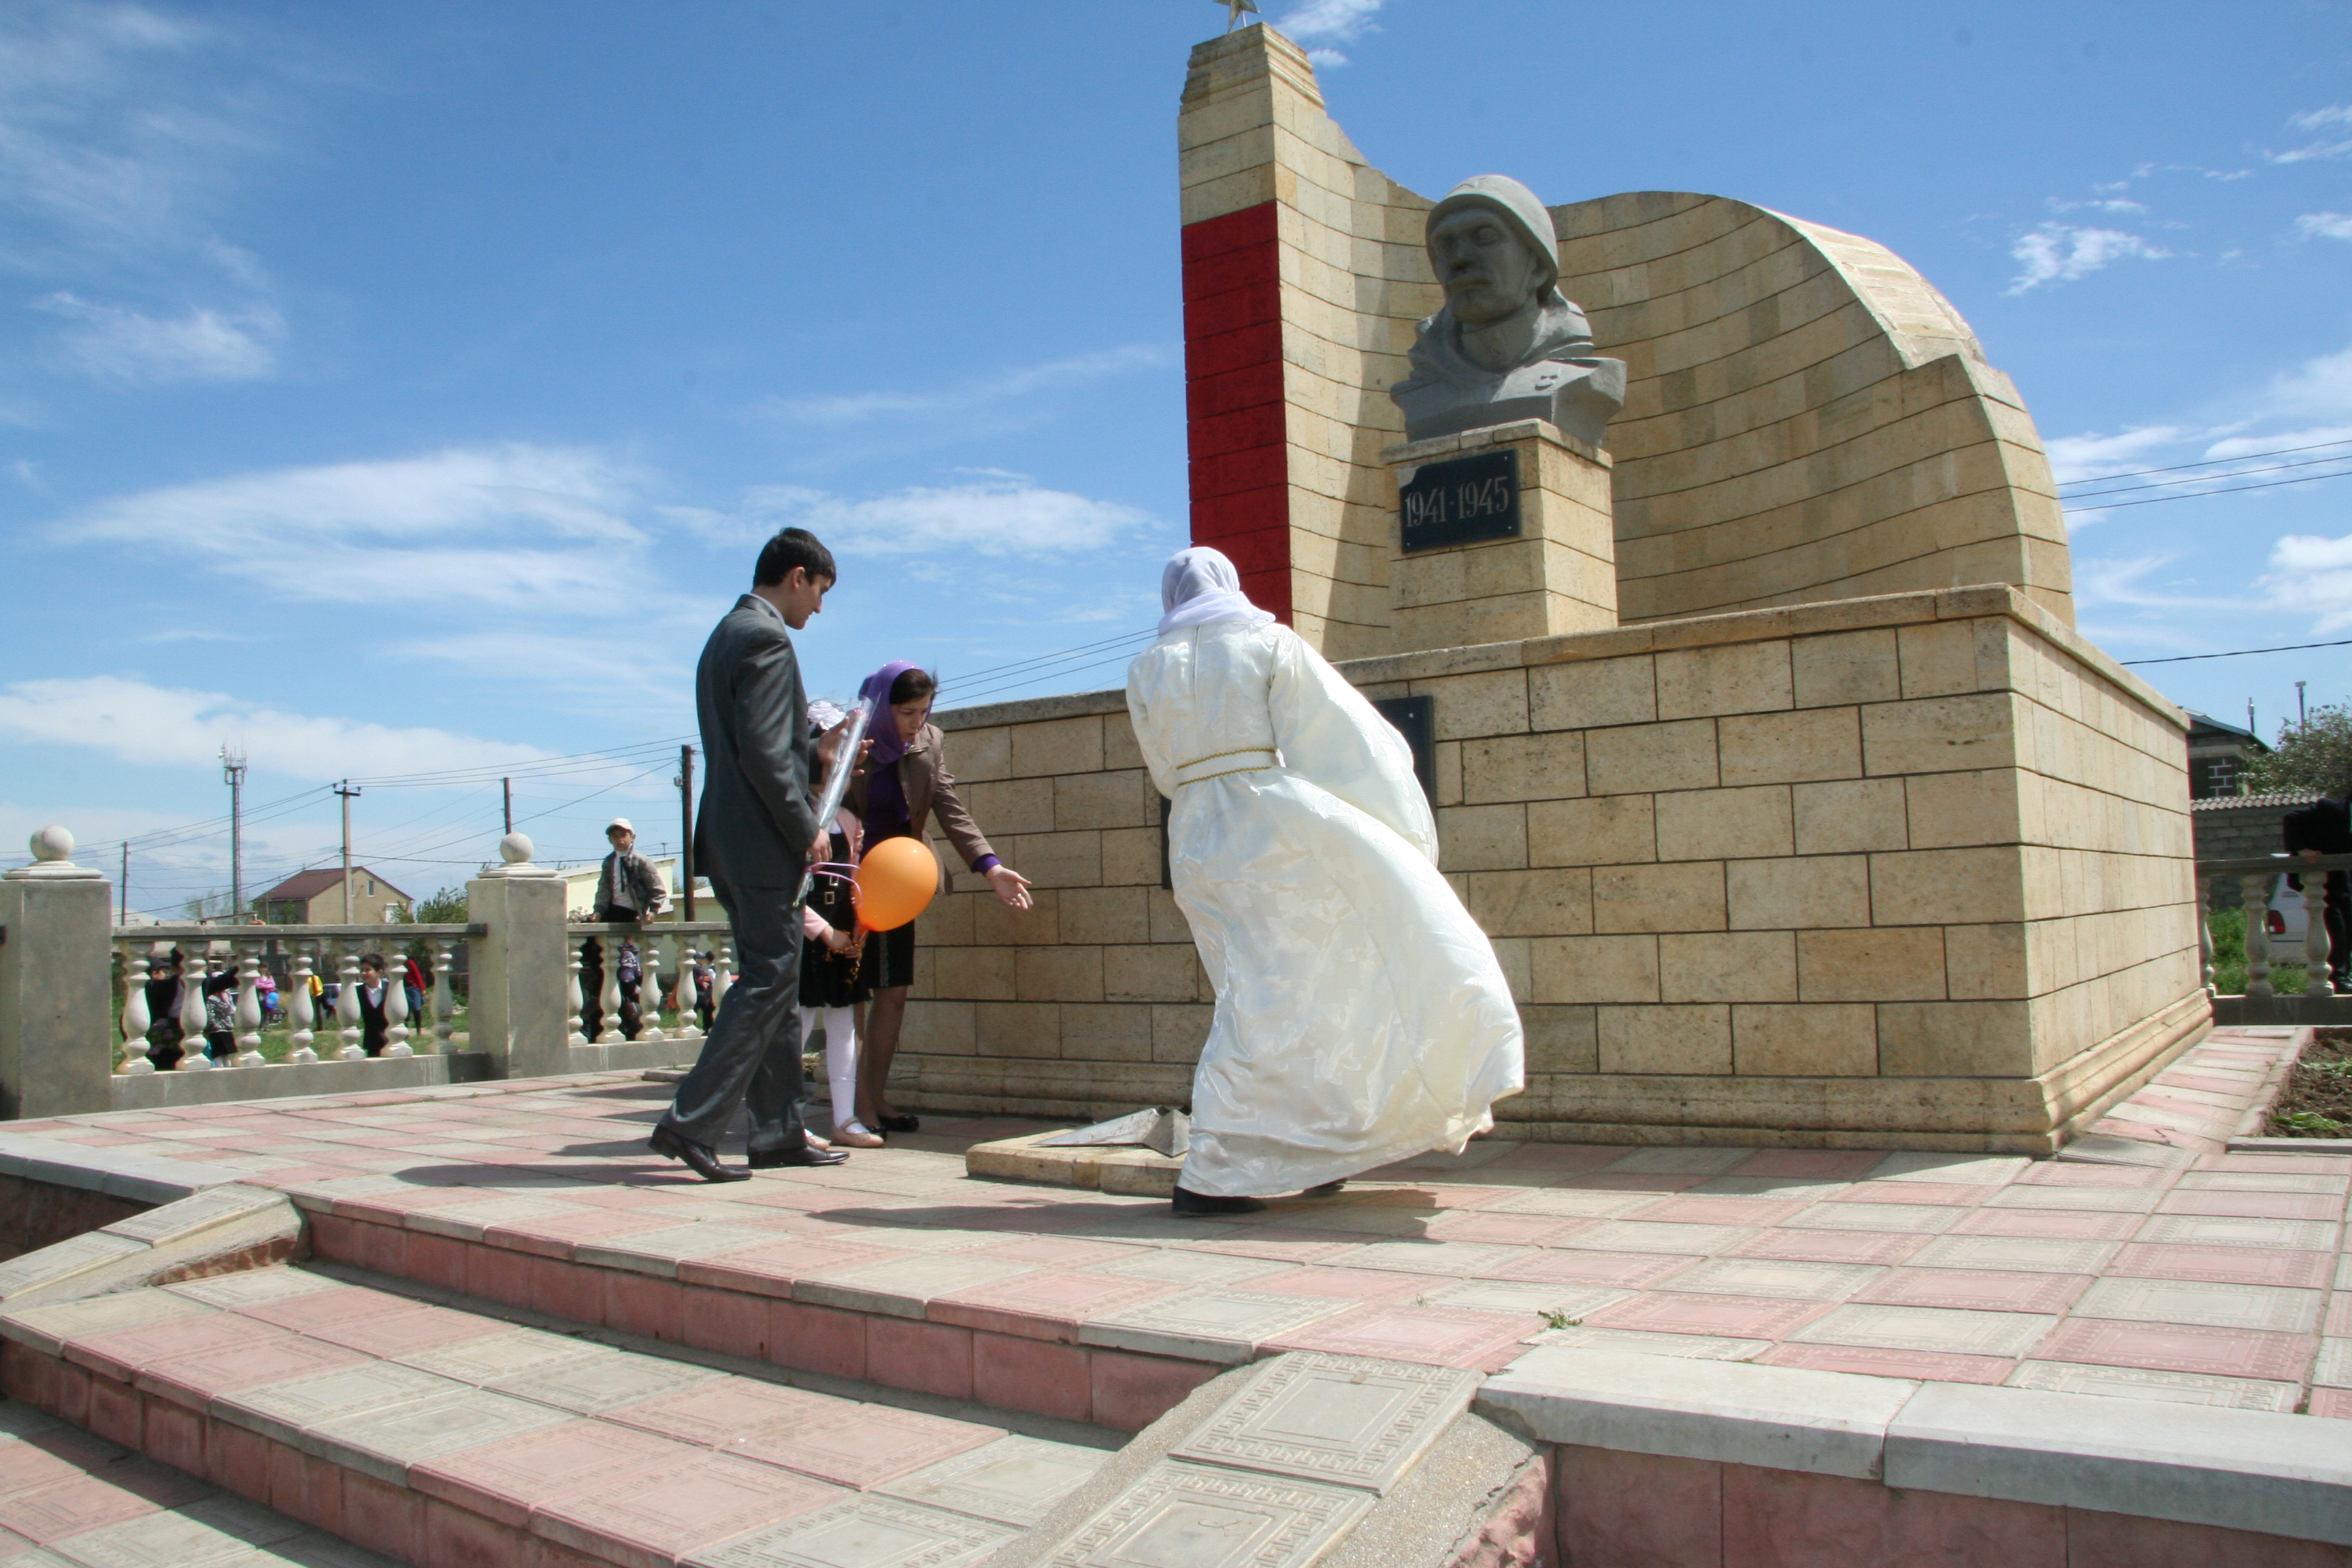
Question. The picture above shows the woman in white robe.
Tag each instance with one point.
(1361, 1017)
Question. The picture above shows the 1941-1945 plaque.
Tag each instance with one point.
(1461, 501)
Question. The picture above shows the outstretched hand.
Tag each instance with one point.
(1010, 886)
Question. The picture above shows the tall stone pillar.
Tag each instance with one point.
(55, 929)
(1505, 533)
(519, 978)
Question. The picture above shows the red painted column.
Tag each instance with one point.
(1235, 430)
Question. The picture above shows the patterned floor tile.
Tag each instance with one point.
(860, 1444)
(1977, 1289)
(713, 1414)
(2178, 1347)
(2223, 1265)
(1984, 1169)
(2141, 1383)
(2334, 1367)
(1193, 1272)
(1938, 1366)
(2193, 1230)
(505, 1478)
(2021, 1253)
(1571, 1203)
(1635, 1236)
(1694, 1347)
(2260, 1182)
(1347, 1284)
(863, 1533)
(385, 1442)
(217, 1531)
(2052, 1224)
(1510, 1296)
(1343, 1419)
(589, 1385)
(1907, 1219)
(400, 1333)
(1798, 1190)
(1875, 1246)
(1200, 1517)
(2256, 1206)
(1929, 1329)
(1681, 1162)
(1213, 1325)
(1629, 1268)
(1802, 1281)
(1824, 1164)
(1453, 1260)
(2192, 1302)
(675, 1512)
(285, 1411)
(1732, 1317)
(1438, 1336)
(509, 1355)
(1013, 1481)
(1951, 1194)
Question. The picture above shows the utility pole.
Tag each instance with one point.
(345, 790)
(126, 883)
(507, 788)
(686, 826)
(233, 773)
(2301, 717)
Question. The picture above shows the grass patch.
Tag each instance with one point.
(2228, 928)
(2318, 1098)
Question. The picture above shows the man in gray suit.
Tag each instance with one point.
(755, 836)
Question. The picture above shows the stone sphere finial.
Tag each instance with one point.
(515, 848)
(53, 849)
(52, 843)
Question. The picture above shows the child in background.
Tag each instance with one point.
(834, 974)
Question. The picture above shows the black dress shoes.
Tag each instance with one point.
(1189, 1205)
(702, 1161)
(769, 1160)
(899, 1125)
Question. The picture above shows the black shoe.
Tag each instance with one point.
(1325, 1190)
(769, 1160)
(899, 1125)
(701, 1161)
(1190, 1204)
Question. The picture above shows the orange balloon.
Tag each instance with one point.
(894, 882)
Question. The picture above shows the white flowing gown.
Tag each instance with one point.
(1361, 1017)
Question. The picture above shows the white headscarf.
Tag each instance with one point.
(1199, 586)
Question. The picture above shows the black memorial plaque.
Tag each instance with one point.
(1415, 718)
(1461, 501)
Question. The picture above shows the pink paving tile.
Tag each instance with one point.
(1932, 1367)
(769, 1267)
(49, 1457)
(2223, 1265)
(656, 1518)
(122, 1353)
(1628, 1269)
(1741, 1317)
(1284, 1244)
(2256, 1206)
(1044, 1304)
(195, 1380)
(1961, 1194)
(1568, 1157)
(2066, 1173)
(1521, 1229)
(715, 1415)
(1348, 1284)
(83, 1502)
(1054, 1251)
(2055, 1225)
(327, 1309)
(555, 1234)
(2339, 1315)
(2282, 1164)
(1718, 1210)
(399, 1333)
(863, 1445)
(505, 1481)
(2335, 1402)
(2176, 1347)
(1659, 1181)
(1978, 1290)
(1831, 1246)
(1434, 1336)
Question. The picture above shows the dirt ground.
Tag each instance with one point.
(2318, 1098)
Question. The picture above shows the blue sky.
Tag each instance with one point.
(401, 388)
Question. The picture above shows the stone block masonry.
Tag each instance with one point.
(1906, 871)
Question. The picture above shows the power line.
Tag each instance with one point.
(2199, 494)
(2211, 478)
(2204, 463)
(2239, 652)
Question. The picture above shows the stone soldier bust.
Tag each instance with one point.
(1506, 345)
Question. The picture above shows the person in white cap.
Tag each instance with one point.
(629, 891)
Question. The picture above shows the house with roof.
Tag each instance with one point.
(316, 898)
(2218, 754)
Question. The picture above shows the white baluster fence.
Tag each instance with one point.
(2318, 1000)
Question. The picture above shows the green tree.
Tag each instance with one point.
(447, 907)
(2315, 754)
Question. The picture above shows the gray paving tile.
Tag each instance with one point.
(1524, 1296)
(1455, 1259)
(1013, 1481)
(2033, 1254)
(467, 1222)
(496, 1356)
(2203, 1230)
(1175, 1266)
(255, 1287)
(1910, 1218)
(287, 1411)
(2142, 1383)
(1659, 1235)
(1679, 1161)
(67, 1256)
(1692, 1347)
(1796, 1189)
(1573, 1203)
(1190, 1516)
(904, 1287)
(198, 1536)
(659, 1252)
(2189, 1301)
(2334, 1368)
(47, 1329)
(1986, 1170)
(1942, 1329)
(199, 1212)
(311, 1549)
(2079, 1200)
(587, 1386)
(864, 1532)
(1346, 1419)
(384, 1442)
(2257, 1182)
(1206, 1325)
(1796, 1280)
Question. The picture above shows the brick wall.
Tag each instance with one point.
(1906, 871)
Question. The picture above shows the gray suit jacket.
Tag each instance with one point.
(756, 822)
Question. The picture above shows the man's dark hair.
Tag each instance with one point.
(793, 547)
(912, 685)
(373, 961)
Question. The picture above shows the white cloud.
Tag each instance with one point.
(2090, 457)
(516, 526)
(2101, 583)
(998, 515)
(1329, 21)
(2331, 225)
(2317, 120)
(2313, 575)
(2318, 388)
(123, 345)
(852, 407)
(2059, 253)
(155, 726)
(2108, 204)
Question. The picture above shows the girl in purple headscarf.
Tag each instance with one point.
(906, 784)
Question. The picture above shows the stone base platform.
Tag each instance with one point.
(1963, 1345)
(1136, 1172)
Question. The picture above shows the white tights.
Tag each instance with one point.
(840, 1059)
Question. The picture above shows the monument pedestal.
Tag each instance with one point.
(1505, 533)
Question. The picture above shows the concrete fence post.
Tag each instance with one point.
(56, 1050)
(518, 973)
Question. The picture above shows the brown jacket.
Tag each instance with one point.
(931, 793)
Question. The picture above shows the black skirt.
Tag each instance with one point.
(830, 979)
(890, 955)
